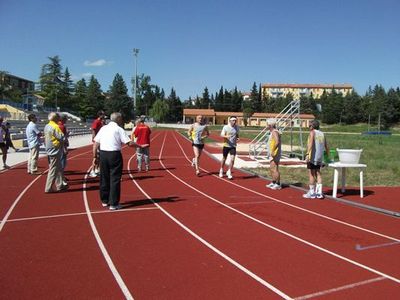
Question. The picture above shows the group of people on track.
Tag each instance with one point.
(316, 146)
(107, 157)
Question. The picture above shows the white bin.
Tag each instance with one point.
(349, 156)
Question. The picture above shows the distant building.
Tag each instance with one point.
(24, 85)
(274, 90)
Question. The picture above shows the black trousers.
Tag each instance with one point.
(110, 176)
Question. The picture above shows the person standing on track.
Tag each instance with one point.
(230, 133)
(33, 135)
(61, 124)
(197, 132)
(54, 142)
(274, 144)
(3, 146)
(108, 142)
(142, 133)
(96, 126)
(315, 151)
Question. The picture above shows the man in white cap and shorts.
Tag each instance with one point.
(316, 146)
(274, 144)
(230, 133)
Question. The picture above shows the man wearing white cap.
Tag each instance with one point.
(274, 144)
(230, 133)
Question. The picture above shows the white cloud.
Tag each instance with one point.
(87, 75)
(95, 63)
(83, 75)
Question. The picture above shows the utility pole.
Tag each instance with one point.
(135, 52)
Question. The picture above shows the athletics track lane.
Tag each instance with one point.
(52, 256)
(194, 180)
(155, 258)
(267, 204)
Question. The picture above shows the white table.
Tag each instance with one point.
(341, 167)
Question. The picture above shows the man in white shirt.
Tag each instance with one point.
(109, 140)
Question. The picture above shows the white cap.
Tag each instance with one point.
(271, 121)
(232, 119)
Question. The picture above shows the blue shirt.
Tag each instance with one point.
(32, 135)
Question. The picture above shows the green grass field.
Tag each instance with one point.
(381, 154)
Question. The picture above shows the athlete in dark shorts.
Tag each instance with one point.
(197, 132)
(230, 133)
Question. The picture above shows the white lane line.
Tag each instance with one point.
(99, 241)
(341, 288)
(204, 242)
(80, 214)
(10, 210)
(250, 202)
(103, 249)
(291, 205)
(397, 280)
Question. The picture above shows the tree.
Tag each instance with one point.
(175, 107)
(65, 91)
(205, 101)
(255, 98)
(159, 111)
(94, 97)
(79, 98)
(50, 80)
(237, 100)
(219, 100)
(118, 99)
(351, 112)
(332, 107)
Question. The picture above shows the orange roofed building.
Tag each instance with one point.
(221, 117)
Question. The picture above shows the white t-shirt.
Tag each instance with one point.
(111, 137)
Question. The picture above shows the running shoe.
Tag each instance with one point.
(221, 173)
(92, 174)
(309, 195)
(198, 172)
(229, 174)
(320, 196)
(270, 185)
(276, 187)
(116, 207)
(193, 162)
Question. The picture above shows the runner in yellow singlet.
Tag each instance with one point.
(274, 144)
(197, 132)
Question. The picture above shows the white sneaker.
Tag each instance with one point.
(117, 207)
(104, 204)
(229, 174)
(270, 185)
(320, 196)
(193, 162)
(198, 172)
(276, 187)
(97, 172)
(92, 174)
(309, 195)
(221, 173)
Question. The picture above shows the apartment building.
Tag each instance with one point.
(274, 90)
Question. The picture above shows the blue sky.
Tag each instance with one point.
(189, 45)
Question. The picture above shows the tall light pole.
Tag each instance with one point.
(135, 52)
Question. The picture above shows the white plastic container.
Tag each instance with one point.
(349, 156)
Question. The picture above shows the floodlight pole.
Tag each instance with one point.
(135, 52)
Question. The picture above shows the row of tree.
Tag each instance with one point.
(85, 98)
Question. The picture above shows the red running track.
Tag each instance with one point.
(181, 236)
